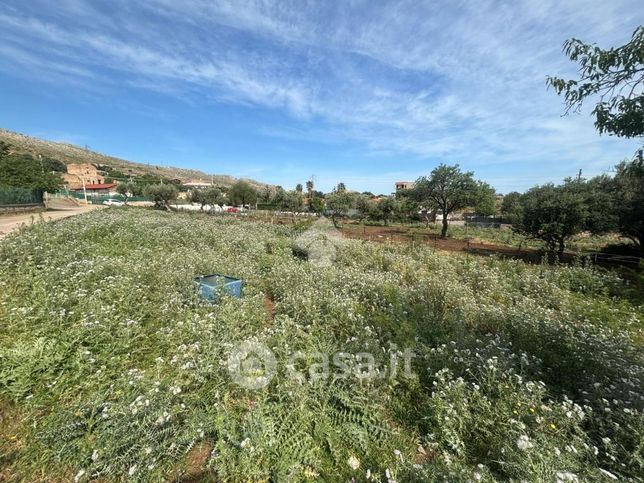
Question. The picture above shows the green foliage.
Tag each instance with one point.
(207, 196)
(385, 209)
(316, 204)
(24, 171)
(128, 189)
(629, 202)
(339, 203)
(485, 204)
(242, 193)
(552, 214)
(11, 195)
(511, 207)
(4, 149)
(448, 189)
(615, 75)
(293, 201)
(118, 370)
(161, 194)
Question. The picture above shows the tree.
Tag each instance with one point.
(161, 194)
(316, 204)
(615, 75)
(124, 190)
(278, 197)
(629, 190)
(242, 193)
(486, 200)
(341, 187)
(339, 202)
(24, 171)
(197, 195)
(405, 209)
(511, 208)
(214, 196)
(364, 206)
(385, 209)
(448, 189)
(299, 188)
(293, 202)
(309, 188)
(552, 214)
(51, 164)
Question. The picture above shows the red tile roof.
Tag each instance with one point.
(101, 186)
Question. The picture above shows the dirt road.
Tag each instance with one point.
(9, 223)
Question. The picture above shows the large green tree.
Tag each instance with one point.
(129, 188)
(242, 193)
(552, 214)
(614, 78)
(629, 196)
(161, 194)
(448, 189)
(25, 171)
(511, 207)
(339, 202)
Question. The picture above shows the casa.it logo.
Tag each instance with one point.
(252, 365)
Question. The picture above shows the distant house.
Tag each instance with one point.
(404, 185)
(197, 183)
(99, 189)
(82, 174)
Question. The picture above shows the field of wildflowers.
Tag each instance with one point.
(112, 368)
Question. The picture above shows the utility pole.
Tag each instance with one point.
(84, 190)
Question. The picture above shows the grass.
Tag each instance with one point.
(118, 370)
(582, 243)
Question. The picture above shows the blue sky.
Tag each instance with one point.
(364, 92)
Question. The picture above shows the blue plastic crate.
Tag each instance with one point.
(211, 286)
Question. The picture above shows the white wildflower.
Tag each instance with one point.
(78, 476)
(524, 443)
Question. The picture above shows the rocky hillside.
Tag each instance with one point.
(68, 153)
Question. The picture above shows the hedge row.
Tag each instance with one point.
(12, 195)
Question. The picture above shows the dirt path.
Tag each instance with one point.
(394, 234)
(9, 223)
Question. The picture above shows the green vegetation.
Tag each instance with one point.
(24, 172)
(129, 189)
(613, 76)
(112, 368)
(161, 194)
(207, 196)
(600, 205)
(242, 194)
(448, 189)
(552, 214)
(339, 202)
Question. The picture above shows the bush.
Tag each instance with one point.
(11, 195)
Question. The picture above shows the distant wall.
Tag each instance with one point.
(23, 208)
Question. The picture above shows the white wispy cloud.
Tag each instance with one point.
(426, 80)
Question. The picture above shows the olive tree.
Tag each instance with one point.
(448, 189)
(339, 202)
(161, 194)
(128, 189)
(242, 193)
